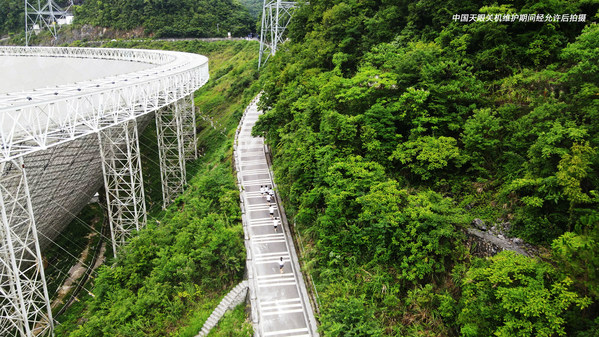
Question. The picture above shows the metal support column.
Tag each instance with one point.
(171, 151)
(188, 118)
(25, 305)
(123, 181)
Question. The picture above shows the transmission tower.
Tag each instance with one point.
(276, 15)
(42, 14)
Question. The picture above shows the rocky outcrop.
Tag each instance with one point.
(486, 242)
(70, 34)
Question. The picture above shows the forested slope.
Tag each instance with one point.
(11, 16)
(169, 18)
(254, 7)
(393, 126)
(161, 18)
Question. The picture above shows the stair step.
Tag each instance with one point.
(222, 308)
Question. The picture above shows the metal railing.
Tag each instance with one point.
(35, 120)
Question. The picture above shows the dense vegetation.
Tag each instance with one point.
(172, 275)
(254, 7)
(233, 323)
(160, 18)
(394, 126)
(12, 16)
(169, 18)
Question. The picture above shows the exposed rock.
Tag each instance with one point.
(506, 226)
(478, 223)
(484, 244)
(517, 241)
(70, 34)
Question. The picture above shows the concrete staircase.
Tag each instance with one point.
(234, 298)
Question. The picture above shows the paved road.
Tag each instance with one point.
(282, 303)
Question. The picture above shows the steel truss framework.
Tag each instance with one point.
(123, 181)
(276, 15)
(24, 297)
(171, 152)
(177, 141)
(40, 14)
(44, 118)
(188, 127)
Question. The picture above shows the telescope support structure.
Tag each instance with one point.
(25, 309)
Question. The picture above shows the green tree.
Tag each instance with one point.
(168, 18)
(578, 254)
(429, 156)
(513, 295)
(482, 140)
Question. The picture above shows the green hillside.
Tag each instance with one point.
(11, 16)
(394, 126)
(254, 7)
(161, 18)
(169, 18)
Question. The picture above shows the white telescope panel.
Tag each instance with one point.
(20, 73)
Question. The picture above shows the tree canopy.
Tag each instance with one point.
(169, 18)
(161, 18)
(393, 125)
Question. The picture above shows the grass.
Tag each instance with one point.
(233, 323)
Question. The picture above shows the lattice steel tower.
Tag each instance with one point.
(41, 14)
(25, 309)
(276, 15)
